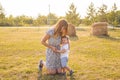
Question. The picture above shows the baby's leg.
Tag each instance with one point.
(70, 70)
(67, 68)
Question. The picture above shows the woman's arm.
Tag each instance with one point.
(61, 51)
(43, 41)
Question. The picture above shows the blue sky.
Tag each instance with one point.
(59, 7)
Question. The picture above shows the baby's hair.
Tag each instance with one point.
(65, 37)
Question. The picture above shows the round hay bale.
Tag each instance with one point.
(71, 30)
(99, 29)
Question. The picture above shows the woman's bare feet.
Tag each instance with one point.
(40, 66)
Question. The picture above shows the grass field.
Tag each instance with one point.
(92, 58)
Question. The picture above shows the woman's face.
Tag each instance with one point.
(63, 31)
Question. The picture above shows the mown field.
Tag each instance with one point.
(92, 58)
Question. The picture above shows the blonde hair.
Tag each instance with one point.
(60, 24)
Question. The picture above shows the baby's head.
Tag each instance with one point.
(65, 40)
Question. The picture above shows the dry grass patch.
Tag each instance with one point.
(92, 58)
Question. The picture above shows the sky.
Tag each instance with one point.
(34, 8)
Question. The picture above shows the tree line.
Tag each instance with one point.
(101, 14)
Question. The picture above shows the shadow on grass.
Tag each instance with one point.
(80, 29)
(73, 38)
(110, 38)
(54, 77)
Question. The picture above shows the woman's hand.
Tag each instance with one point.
(53, 48)
(63, 51)
(60, 51)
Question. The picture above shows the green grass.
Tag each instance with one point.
(92, 58)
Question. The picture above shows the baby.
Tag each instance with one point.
(64, 54)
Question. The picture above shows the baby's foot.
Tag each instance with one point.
(71, 72)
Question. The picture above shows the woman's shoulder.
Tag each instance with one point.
(50, 31)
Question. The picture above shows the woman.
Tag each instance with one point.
(53, 36)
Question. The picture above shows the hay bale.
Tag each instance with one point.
(99, 29)
(71, 30)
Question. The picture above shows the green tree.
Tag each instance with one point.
(1, 9)
(86, 21)
(118, 18)
(91, 12)
(27, 21)
(72, 16)
(23, 21)
(102, 13)
(2, 16)
(51, 19)
(18, 21)
(41, 20)
(10, 21)
(112, 15)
